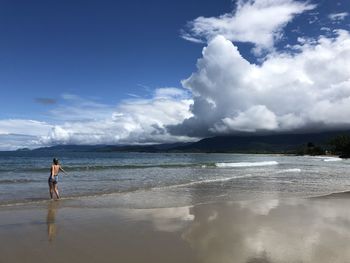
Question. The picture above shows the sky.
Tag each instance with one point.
(144, 72)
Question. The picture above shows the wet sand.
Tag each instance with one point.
(289, 230)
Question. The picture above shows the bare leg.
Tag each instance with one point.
(51, 190)
(56, 191)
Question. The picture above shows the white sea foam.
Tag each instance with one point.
(327, 158)
(246, 164)
(206, 181)
(332, 159)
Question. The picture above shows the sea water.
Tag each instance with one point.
(156, 179)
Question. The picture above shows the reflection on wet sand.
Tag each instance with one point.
(163, 219)
(271, 231)
(51, 220)
(255, 231)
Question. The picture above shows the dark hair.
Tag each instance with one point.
(55, 161)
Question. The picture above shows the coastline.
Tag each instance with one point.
(269, 230)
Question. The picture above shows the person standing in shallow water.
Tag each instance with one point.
(53, 179)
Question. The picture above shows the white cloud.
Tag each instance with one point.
(257, 117)
(326, 29)
(76, 108)
(338, 16)
(23, 127)
(255, 21)
(169, 93)
(19, 133)
(83, 121)
(134, 121)
(286, 92)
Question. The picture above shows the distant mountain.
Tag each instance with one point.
(276, 143)
(70, 148)
(113, 148)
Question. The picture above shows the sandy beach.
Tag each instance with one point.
(272, 230)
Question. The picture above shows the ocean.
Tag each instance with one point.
(169, 179)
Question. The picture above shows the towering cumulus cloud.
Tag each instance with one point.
(306, 88)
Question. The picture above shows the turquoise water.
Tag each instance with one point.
(195, 178)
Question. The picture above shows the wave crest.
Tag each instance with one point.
(246, 164)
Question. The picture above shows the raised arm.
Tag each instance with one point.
(63, 170)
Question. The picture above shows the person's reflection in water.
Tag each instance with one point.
(51, 220)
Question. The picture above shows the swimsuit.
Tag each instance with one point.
(53, 180)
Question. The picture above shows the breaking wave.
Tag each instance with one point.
(246, 164)
(332, 159)
(206, 181)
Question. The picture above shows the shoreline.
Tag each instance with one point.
(89, 198)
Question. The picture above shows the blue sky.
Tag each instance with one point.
(102, 49)
(92, 72)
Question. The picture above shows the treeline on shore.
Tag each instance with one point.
(339, 145)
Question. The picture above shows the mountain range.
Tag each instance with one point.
(273, 143)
